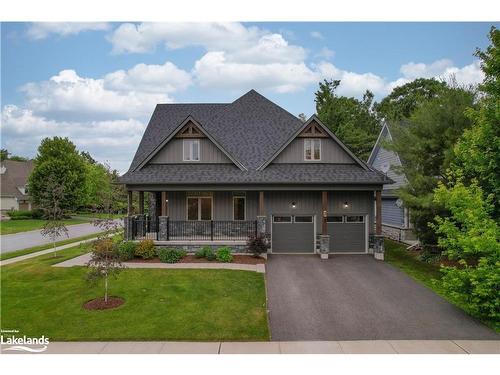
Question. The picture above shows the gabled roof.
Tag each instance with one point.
(325, 128)
(15, 175)
(250, 129)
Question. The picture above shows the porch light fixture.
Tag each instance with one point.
(346, 205)
(294, 205)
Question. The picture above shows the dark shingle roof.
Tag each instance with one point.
(272, 174)
(251, 130)
(14, 176)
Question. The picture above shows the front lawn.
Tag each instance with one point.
(160, 304)
(16, 226)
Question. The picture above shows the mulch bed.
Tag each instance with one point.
(99, 304)
(239, 259)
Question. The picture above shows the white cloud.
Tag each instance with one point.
(42, 30)
(113, 141)
(166, 78)
(325, 53)
(316, 35)
(468, 75)
(214, 70)
(121, 94)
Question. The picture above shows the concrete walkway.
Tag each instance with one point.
(42, 252)
(277, 347)
(83, 259)
(24, 240)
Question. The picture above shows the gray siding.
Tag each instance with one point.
(172, 153)
(331, 152)
(392, 214)
(279, 202)
(385, 156)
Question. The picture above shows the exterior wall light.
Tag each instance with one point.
(294, 204)
(346, 205)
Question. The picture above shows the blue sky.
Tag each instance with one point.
(98, 83)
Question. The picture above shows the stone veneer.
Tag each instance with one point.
(192, 248)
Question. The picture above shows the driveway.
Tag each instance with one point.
(354, 297)
(23, 240)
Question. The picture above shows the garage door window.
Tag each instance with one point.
(303, 219)
(282, 219)
(355, 219)
(335, 219)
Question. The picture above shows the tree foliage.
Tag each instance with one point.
(58, 160)
(353, 121)
(6, 155)
(404, 100)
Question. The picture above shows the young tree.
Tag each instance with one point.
(59, 160)
(50, 202)
(104, 262)
(353, 121)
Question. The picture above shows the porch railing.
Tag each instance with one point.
(182, 230)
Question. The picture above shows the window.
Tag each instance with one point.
(334, 219)
(282, 219)
(312, 149)
(238, 208)
(199, 208)
(354, 219)
(303, 219)
(191, 150)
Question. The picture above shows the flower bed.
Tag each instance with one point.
(240, 259)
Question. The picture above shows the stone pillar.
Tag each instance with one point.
(261, 227)
(324, 246)
(163, 228)
(378, 247)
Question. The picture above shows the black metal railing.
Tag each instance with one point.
(182, 230)
(145, 228)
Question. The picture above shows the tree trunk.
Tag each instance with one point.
(106, 289)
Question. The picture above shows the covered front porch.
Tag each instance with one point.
(334, 221)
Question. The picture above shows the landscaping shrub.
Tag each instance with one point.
(257, 245)
(224, 255)
(37, 213)
(145, 249)
(205, 252)
(20, 215)
(126, 250)
(168, 255)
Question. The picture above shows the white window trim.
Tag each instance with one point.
(189, 143)
(199, 206)
(311, 143)
(244, 207)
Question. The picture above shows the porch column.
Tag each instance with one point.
(164, 207)
(324, 238)
(378, 248)
(129, 203)
(261, 204)
(378, 214)
(141, 203)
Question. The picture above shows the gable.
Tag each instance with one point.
(333, 151)
(172, 152)
(385, 160)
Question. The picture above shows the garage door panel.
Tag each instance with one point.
(347, 237)
(293, 237)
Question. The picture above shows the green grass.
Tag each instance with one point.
(34, 249)
(160, 304)
(426, 273)
(16, 226)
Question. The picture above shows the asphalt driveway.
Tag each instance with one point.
(354, 297)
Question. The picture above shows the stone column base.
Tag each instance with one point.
(163, 228)
(379, 256)
(378, 247)
(324, 246)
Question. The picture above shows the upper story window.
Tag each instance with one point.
(312, 149)
(191, 150)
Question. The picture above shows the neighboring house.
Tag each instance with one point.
(218, 173)
(396, 222)
(14, 178)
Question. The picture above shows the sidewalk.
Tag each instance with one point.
(42, 252)
(83, 259)
(283, 347)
